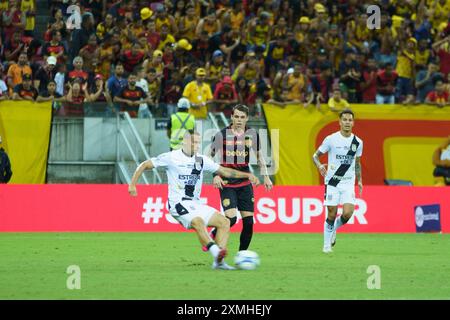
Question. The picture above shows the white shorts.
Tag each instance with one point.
(339, 195)
(186, 210)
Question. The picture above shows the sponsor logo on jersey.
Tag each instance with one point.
(226, 202)
(237, 153)
(189, 179)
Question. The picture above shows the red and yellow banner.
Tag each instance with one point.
(399, 141)
(25, 130)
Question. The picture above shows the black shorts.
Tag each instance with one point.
(241, 198)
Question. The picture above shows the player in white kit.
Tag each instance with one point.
(344, 163)
(185, 169)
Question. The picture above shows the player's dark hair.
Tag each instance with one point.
(242, 108)
(346, 111)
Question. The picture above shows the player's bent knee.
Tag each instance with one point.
(224, 223)
(197, 223)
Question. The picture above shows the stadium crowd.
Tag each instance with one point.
(143, 56)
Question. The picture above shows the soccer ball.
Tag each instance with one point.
(247, 260)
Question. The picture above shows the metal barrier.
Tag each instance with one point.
(121, 165)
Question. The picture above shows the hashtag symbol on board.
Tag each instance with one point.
(153, 210)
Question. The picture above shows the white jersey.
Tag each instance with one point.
(184, 174)
(341, 158)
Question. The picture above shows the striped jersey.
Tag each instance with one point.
(184, 174)
(342, 152)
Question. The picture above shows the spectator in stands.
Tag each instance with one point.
(153, 37)
(50, 94)
(200, 47)
(336, 102)
(45, 74)
(199, 94)
(276, 56)
(258, 30)
(438, 97)
(165, 37)
(188, 23)
(117, 81)
(25, 90)
(156, 62)
(425, 80)
(132, 58)
(80, 37)
(182, 54)
(441, 161)
(369, 83)
(386, 82)
(210, 24)
(77, 72)
(142, 83)
(442, 49)
(98, 91)
(28, 8)
(243, 90)
(322, 85)
(154, 89)
(162, 18)
(350, 74)
(406, 71)
(76, 97)
(14, 46)
(91, 54)
(17, 70)
(106, 27)
(12, 20)
(60, 78)
(235, 17)
(316, 65)
(55, 47)
(107, 56)
(214, 68)
(422, 54)
(173, 90)
(295, 83)
(225, 96)
(5, 165)
(250, 69)
(131, 97)
(56, 23)
(224, 41)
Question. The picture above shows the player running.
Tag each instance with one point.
(185, 169)
(344, 162)
(234, 145)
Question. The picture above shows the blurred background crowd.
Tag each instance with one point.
(143, 56)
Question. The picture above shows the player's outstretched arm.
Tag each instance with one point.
(231, 173)
(263, 167)
(146, 165)
(358, 174)
(322, 167)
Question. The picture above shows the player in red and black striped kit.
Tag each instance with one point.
(235, 145)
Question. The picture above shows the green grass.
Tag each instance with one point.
(171, 266)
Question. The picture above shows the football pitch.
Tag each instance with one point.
(172, 266)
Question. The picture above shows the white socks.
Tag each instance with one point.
(327, 232)
(214, 249)
(338, 223)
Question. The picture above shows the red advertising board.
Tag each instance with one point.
(41, 208)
